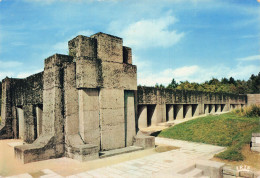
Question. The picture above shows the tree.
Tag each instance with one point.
(173, 84)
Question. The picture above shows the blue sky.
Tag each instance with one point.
(192, 40)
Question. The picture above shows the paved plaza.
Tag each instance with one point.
(167, 164)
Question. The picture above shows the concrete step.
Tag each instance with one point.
(105, 154)
(186, 169)
(194, 173)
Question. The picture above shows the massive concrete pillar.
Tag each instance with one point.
(112, 119)
(129, 115)
(178, 111)
(81, 128)
(195, 110)
(89, 116)
(6, 111)
(159, 115)
(142, 116)
(51, 142)
(170, 112)
(187, 111)
(206, 109)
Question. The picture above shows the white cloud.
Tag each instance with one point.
(196, 74)
(9, 64)
(62, 47)
(5, 74)
(250, 58)
(149, 33)
(27, 74)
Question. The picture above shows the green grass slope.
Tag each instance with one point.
(227, 130)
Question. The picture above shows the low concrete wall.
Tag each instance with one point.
(176, 104)
(253, 99)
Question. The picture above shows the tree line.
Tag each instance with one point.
(225, 85)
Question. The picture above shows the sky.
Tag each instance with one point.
(192, 40)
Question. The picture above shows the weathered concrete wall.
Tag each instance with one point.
(25, 94)
(253, 99)
(183, 104)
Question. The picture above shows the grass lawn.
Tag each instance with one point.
(227, 130)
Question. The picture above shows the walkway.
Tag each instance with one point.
(156, 165)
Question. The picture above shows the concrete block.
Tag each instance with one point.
(88, 72)
(127, 55)
(83, 46)
(109, 48)
(119, 76)
(145, 141)
(210, 168)
(247, 174)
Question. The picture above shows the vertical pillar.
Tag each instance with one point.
(178, 111)
(142, 116)
(211, 108)
(187, 112)
(112, 120)
(170, 112)
(206, 108)
(39, 120)
(6, 111)
(159, 115)
(129, 117)
(195, 110)
(218, 108)
(89, 116)
(20, 115)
